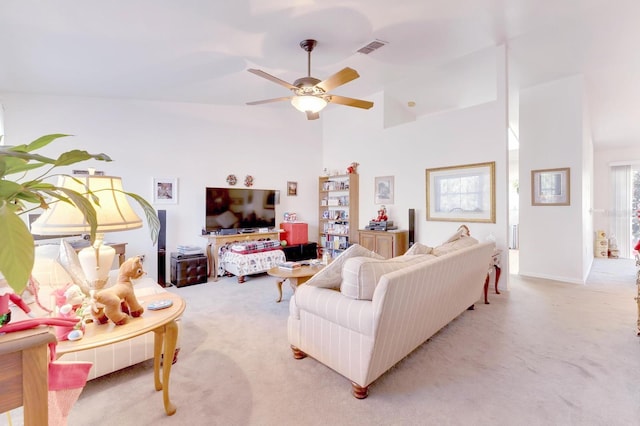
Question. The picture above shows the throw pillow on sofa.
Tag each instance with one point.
(360, 275)
(454, 245)
(462, 231)
(331, 275)
(418, 248)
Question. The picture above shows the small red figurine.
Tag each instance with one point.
(382, 215)
(353, 168)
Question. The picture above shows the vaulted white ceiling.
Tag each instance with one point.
(199, 50)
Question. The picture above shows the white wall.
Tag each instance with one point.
(198, 144)
(472, 135)
(552, 238)
(587, 193)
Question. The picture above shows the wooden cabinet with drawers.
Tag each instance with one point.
(386, 243)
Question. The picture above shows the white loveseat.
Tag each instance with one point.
(381, 310)
(51, 274)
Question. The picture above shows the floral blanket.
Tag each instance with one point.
(249, 257)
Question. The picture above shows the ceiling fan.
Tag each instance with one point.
(311, 95)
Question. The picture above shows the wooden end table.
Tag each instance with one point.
(161, 322)
(24, 356)
(495, 264)
(295, 277)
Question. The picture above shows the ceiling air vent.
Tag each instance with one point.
(374, 45)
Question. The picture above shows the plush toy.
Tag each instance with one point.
(71, 294)
(116, 303)
(353, 168)
(382, 215)
(70, 303)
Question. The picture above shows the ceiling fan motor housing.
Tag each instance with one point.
(308, 44)
(307, 86)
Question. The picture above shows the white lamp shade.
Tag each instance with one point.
(113, 214)
(306, 103)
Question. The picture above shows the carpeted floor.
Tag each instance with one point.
(542, 353)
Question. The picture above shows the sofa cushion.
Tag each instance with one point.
(331, 275)
(418, 248)
(451, 246)
(462, 231)
(360, 275)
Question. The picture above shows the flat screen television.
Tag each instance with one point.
(240, 209)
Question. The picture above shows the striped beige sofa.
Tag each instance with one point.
(381, 310)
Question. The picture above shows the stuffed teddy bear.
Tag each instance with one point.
(353, 168)
(116, 303)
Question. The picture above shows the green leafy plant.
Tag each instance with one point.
(20, 193)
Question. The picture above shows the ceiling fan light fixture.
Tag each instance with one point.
(304, 103)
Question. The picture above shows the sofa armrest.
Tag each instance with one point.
(331, 305)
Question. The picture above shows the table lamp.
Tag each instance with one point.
(114, 213)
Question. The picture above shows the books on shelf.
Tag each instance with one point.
(290, 266)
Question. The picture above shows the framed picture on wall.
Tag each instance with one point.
(165, 190)
(292, 188)
(384, 190)
(463, 193)
(551, 187)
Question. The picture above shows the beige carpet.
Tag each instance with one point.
(543, 353)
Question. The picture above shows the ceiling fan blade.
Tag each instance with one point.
(266, 101)
(269, 77)
(312, 115)
(338, 79)
(358, 103)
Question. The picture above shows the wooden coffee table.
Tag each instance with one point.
(161, 322)
(296, 277)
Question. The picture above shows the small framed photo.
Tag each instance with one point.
(384, 190)
(292, 188)
(551, 187)
(165, 190)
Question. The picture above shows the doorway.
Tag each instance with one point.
(514, 202)
(626, 205)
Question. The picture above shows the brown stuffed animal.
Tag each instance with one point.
(116, 302)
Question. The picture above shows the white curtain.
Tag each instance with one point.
(622, 208)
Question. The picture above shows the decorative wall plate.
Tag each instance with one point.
(248, 180)
(232, 180)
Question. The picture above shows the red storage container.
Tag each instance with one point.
(294, 233)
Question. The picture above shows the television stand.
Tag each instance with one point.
(215, 241)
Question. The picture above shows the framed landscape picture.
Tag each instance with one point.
(551, 187)
(464, 193)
